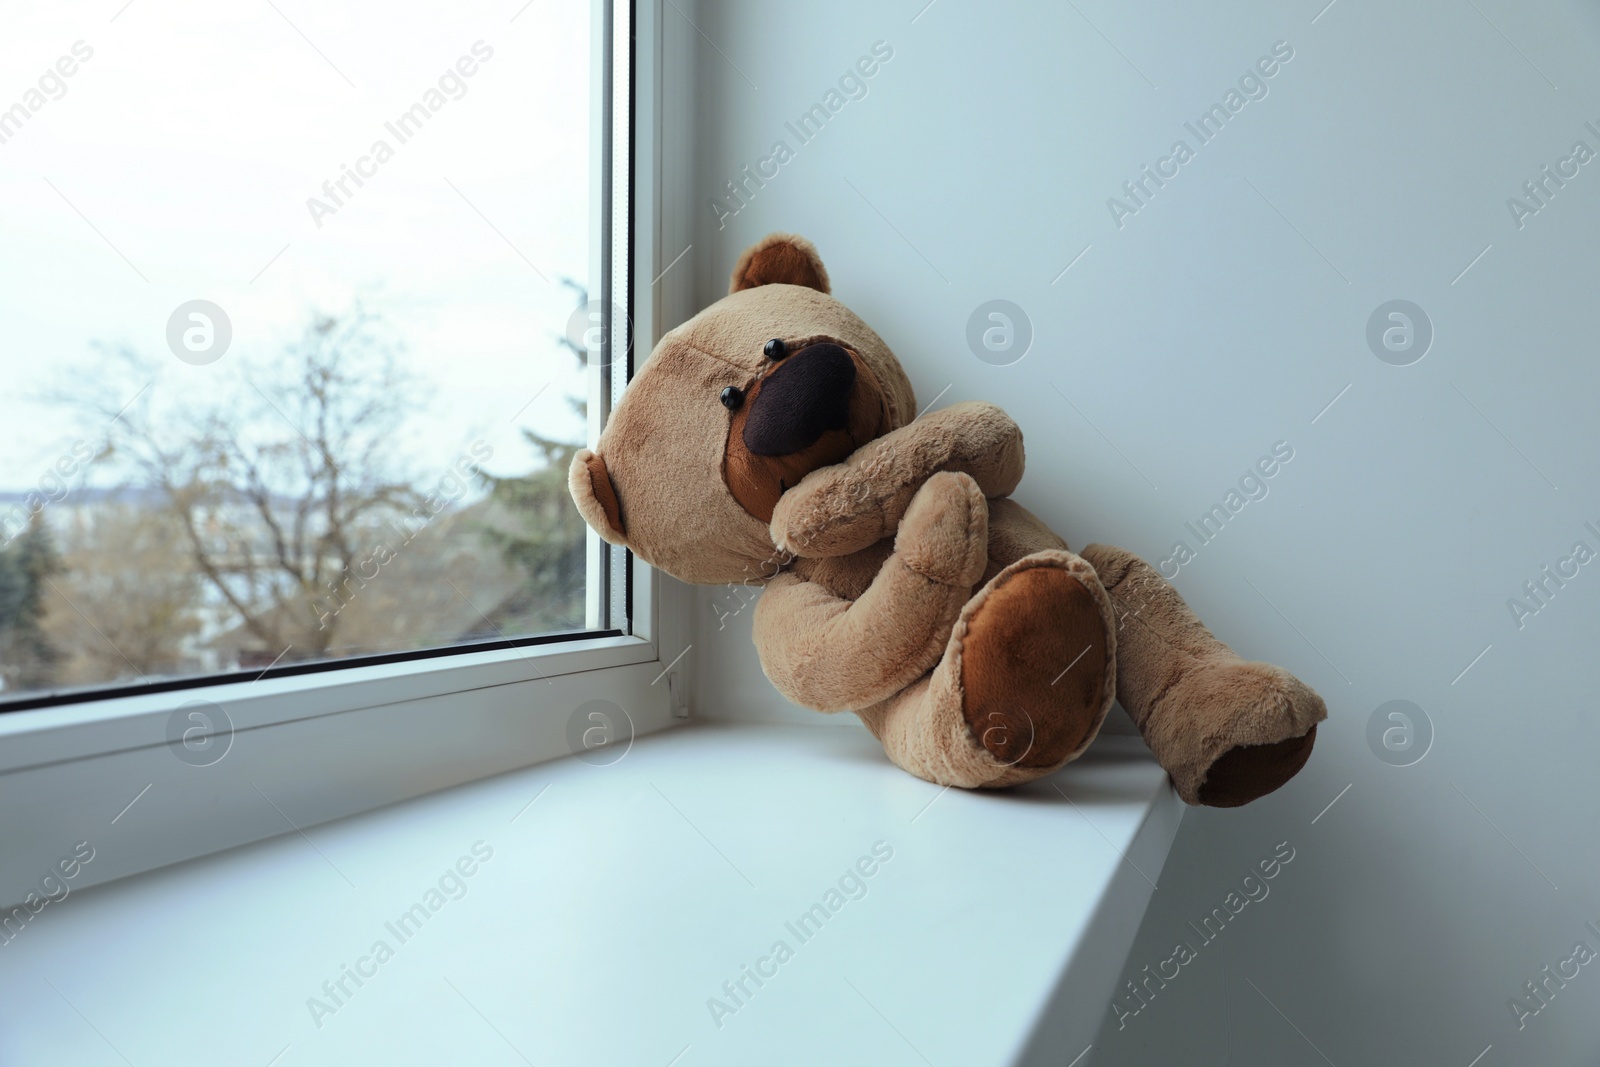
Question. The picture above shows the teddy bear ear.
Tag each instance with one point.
(590, 485)
(780, 258)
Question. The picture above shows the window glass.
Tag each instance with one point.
(295, 300)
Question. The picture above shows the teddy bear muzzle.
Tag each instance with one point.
(810, 410)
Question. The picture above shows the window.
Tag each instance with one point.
(306, 311)
(426, 344)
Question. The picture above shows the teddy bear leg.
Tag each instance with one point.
(1026, 679)
(1227, 731)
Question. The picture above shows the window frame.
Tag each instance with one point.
(309, 745)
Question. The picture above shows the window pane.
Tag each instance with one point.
(293, 300)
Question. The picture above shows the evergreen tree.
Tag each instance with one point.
(27, 657)
(542, 534)
(545, 540)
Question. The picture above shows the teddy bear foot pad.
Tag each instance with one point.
(1037, 650)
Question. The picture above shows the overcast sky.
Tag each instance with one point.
(191, 141)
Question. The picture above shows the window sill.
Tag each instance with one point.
(616, 903)
(296, 752)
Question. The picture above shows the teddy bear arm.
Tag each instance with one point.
(844, 508)
(831, 654)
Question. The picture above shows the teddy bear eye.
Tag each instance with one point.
(775, 349)
(732, 398)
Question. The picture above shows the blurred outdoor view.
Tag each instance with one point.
(292, 300)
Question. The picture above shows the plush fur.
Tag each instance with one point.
(771, 439)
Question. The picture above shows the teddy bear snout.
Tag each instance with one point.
(801, 399)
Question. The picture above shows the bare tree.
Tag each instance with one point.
(277, 486)
(126, 568)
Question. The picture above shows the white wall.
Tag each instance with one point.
(1221, 318)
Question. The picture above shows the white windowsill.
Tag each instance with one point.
(618, 899)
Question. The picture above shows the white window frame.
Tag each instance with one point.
(307, 748)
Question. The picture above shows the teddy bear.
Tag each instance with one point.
(774, 439)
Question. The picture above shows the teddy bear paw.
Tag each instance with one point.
(944, 535)
(832, 512)
(1250, 728)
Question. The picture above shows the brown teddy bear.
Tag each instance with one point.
(773, 439)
